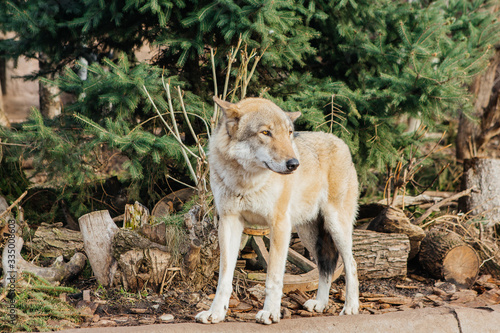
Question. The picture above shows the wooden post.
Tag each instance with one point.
(98, 230)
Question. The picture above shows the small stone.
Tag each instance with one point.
(86, 295)
(155, 307)
(166, 318)
(138, 310)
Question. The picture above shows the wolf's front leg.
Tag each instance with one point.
(230, 230)
(280, 239)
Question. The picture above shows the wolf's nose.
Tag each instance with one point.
(292, 164)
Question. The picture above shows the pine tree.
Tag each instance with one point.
(352, 67)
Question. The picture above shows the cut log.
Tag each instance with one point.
(393, 220)
(53, 241)
(446, 256)
(172, 202)
(482, 173)
(380, 255)
(97, 230)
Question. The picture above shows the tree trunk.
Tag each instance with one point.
(380, 255)
(485, 202)
(50, 99)
(446, 256)
(472, 138)
(4, 121)
(98, 230)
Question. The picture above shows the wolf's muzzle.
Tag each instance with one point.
(292, 164)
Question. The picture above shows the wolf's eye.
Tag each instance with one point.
(290, 132)
(267, 133)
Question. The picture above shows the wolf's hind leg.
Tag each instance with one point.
(319, 242)
(341, 227)
(230, 230)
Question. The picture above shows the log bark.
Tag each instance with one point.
(54, 241)
(393, 220)
(482, 174)
(98, 230)
(446, 256)
(380, 255)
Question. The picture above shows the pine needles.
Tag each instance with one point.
(38, 306)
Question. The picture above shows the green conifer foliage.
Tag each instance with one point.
(353, 67)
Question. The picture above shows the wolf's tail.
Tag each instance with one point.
(326, 251)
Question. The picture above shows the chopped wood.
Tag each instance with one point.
(393, 220)
(446, 256)
(299, 296)
(395, 300)
(241, 307)
(50, 241)
(400, 286)
(380, 255)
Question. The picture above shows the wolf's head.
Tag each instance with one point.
(260, 134)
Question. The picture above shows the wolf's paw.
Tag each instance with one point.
(210, 317)
(314, 305)
(267, 317)
(350, 310)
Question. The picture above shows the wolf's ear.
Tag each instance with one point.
(231, 113)
(230, 110)
(294, 115)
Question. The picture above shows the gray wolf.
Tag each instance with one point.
(262, 172)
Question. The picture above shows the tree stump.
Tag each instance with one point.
(482, 173)
(446, 256)
(140, 260)
(97, 230)
(380, 255)
(394, 220)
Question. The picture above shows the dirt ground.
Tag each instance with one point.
(114, 307)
